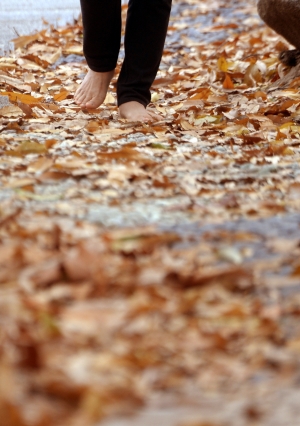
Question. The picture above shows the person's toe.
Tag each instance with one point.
(79, 97)
(145, 118)
(79, 89)
(78, 100)
(78, 93)
(149, 117)
(94, 102)
(154, 115)
(86, 97)
(82, 101)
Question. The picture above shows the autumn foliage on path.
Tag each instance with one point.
(143, 263)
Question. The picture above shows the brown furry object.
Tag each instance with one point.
(283, 16)
(290, 58)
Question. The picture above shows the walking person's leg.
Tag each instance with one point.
(101, 45)
(146, 29)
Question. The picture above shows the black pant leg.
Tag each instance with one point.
(102, 33)
(146, 29)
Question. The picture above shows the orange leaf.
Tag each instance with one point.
(61, 96)
(228, 84)
(202, 93)
(25, 99)
(93, 126)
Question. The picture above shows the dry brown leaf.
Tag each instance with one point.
(11, 111)
(23, 41)
(40, 166)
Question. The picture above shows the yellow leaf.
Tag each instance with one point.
(155, 97)
(288, 151)
(109, 99)
(75, 49)
(27, 147)
(286, 125)
(222, 64)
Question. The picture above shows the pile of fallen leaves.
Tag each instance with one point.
(118, 285)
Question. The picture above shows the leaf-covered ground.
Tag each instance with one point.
(149, 267)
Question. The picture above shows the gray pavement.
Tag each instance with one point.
(26, 16)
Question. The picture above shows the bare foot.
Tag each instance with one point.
(92, 91)
(134, 111)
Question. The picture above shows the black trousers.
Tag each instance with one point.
(145, 33)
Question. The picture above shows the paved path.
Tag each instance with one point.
(26, 16)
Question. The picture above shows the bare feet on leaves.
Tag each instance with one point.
(134, 111)
(92, 91)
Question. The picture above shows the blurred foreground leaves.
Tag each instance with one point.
(102, 311)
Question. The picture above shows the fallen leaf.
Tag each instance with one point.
(11, 111)
(228, 84)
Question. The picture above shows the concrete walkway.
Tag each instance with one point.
(26, 16)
